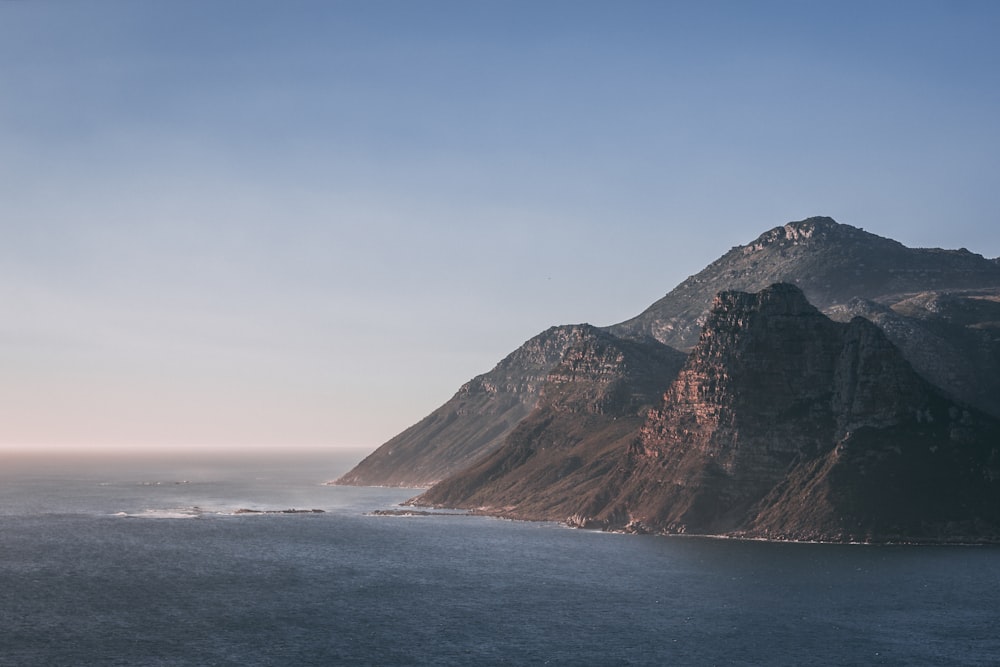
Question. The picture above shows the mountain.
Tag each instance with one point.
(781, 424)
(940, 307)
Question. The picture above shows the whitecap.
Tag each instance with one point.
(164, 513)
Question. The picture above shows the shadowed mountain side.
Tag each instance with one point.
(782, 424)
(592, 404)
(952, 338)
(924, 481)
(476, 419)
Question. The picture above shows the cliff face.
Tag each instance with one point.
(778, 402)
(474, 422)
(591, 405)
(756, 391)
(782, 423)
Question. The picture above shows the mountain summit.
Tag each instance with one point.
(813, 354)
(830, 262)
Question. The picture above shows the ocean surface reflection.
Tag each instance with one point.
(88, 579)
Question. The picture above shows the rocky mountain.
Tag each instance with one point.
(940, 307)
(782, 424)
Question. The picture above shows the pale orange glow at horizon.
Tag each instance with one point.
(251, 228)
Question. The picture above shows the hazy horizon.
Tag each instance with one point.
(245, 225)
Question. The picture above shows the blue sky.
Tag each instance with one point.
(267, 224)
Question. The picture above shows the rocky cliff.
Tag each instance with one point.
(781, 424)
(777, 402)
(941, 308)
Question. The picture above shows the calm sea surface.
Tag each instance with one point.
(132, 561)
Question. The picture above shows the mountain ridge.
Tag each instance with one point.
(863, 264)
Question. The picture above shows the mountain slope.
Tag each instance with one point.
(592, 403)
(473, 422)
(952, 338)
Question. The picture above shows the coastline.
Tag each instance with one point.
(574, 522)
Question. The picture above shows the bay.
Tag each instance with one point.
(143, 560)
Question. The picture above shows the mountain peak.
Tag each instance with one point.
(830, 262)
(817, 229)
(812, 223)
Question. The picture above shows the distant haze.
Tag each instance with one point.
(244, 224)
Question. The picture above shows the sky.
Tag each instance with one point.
(245, 225)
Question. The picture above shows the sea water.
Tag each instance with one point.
(122, 560)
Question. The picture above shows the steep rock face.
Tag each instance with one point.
(474, 422)
(559, 457)
(755, 392)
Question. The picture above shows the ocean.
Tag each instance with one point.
(144, 560)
